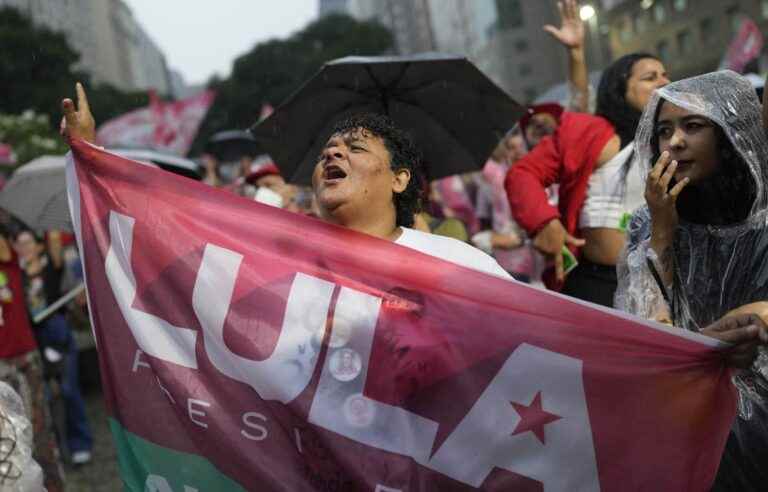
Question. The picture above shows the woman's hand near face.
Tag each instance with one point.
(662, 203)
(661, 200)
(78, 121)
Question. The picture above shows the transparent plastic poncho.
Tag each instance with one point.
(18, 470)
(717, 268)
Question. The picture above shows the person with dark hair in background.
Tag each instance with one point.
(589, 156)
(42, 285)
(21, 368)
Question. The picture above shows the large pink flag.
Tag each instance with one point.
(163, 126)
(243, 347)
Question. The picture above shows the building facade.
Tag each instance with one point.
(690, 37)
(113, 47)
(409, 21)
(504, 38)
(333, 7)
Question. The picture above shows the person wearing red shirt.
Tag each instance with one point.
(581, 145)
(20, 365)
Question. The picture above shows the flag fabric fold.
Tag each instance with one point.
(243, 347)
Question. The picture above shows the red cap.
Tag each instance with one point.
(266, 169)
(554, 109)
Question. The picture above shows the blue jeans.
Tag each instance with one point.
(56, 332)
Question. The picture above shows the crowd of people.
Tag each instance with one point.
(38, 351)
(645, 195)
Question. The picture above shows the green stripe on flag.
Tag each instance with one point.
(145, 466)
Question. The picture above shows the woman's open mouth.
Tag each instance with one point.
(333, 173)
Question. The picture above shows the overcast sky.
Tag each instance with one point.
(203, 37)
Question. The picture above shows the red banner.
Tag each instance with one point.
(243, 347)
(163, 126)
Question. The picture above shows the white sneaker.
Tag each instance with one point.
(81, 457)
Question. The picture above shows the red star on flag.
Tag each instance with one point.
(533, 418)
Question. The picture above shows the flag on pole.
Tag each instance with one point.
(243, 347)
(745, 47)
(163, 126)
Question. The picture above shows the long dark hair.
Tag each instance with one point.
(611, 96)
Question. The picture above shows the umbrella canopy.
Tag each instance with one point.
(455, 114)
(36, 194)
(230, 145)
(167, 162)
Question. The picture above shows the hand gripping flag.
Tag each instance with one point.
(243, 347)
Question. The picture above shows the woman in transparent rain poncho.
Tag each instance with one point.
(699, 249)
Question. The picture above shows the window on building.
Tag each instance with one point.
(663, 51)
(707, 30)
(660, 12)
(680, 5)
(625, 30)
(510, 13)
(524, 69)
(641, 22)
(521, 45)
(685, 42)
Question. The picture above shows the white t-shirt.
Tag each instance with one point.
(616, 189)
(453, 250)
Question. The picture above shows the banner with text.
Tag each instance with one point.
(243, 347)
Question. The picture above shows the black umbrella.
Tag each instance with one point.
(230, 145)
(453, 111)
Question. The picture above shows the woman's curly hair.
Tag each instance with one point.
(403, 155)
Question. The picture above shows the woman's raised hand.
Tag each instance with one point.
(78, 121)
(571, 31)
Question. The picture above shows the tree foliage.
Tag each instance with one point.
(36, 66)
(30, 135)
(38, 69)
(274, 69)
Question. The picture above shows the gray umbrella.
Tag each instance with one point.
(454, 112)
(36, 194)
